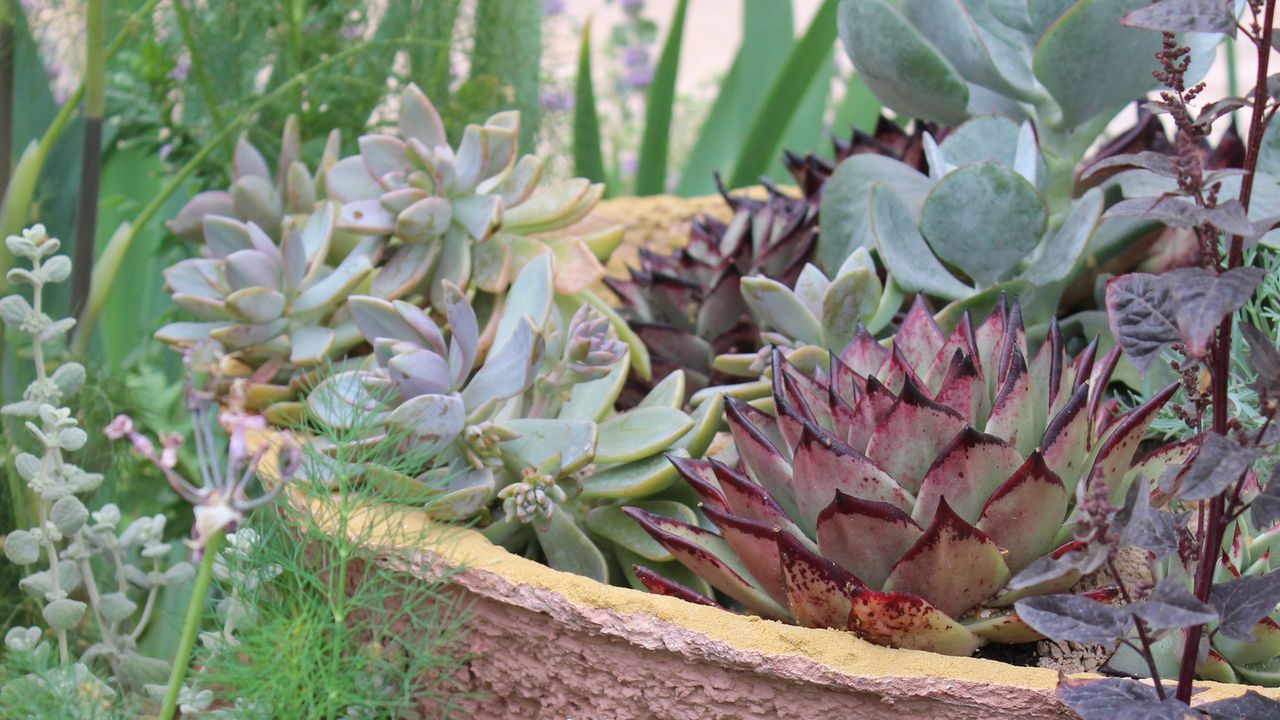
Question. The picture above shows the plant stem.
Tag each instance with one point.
(1221, 360)
(95, 74)
(197, 64)
(8, 39)
(191, 626)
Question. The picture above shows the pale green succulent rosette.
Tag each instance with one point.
(526, 439)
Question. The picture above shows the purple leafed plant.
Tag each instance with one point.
(1210, 607)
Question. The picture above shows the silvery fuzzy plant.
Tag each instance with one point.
(95, 580)
(1029, 86)
(527, 439)
(1210, 609)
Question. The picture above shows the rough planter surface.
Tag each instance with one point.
(551, 645)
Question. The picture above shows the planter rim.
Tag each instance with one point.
(835, 653)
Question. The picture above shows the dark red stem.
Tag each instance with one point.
(1222, 365)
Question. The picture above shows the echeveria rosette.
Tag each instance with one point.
(267, 301)
(467, 214)
(687, 307)
(539, 405)
(257, 193)
(896, 493)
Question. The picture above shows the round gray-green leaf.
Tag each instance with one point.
(68, 514)
(984, 219)
(846, 220)
(21, 548)
(904, 70)
(64, 613)
(116, 606)
(639, 433)
(904, 251)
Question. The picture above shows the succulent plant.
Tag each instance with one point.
(687, 306)
(467, 214)
(526, 441)
(871, 500)
(270, 301)
(256, 195)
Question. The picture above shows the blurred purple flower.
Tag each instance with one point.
(351, 31)
(165, 150)
(552, 7)
(555, 100)
(181, 69)
(633, 6)
(635, 55)
(629, 164)
(638, 78)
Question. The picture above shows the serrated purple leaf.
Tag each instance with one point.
(1171, 606)
(1074, 618)
(1249, 706)
(1243, 602)
(1118, 699)
(1141, 312)
(1202, 299)
(1219, 463)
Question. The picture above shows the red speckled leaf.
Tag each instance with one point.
(1115, 454)
(961, 339)
(845, 383)
(966, 472)
(747, 499)
(963, 390)
(919, 337)
(755, 546)
(912, 435)
(864, 354)
(1065, 443)
(663, 585)
(953, 565)
(852, 424)
(865, 537)
(710, 558)
(824, 464)
(1013, 413)
(764, 463)
(908, 621)
(819, 592)
(1002, 626)
(878, 400)
(1026, 512)
(701, 477)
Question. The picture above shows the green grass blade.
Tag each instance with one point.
(587, 160)
(789, 87)
(717, 139)
(652, 173)
(805, 132)
(508, 46)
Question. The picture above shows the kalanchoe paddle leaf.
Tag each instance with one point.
(868, 469)
(1242, 602)
(1220, 462)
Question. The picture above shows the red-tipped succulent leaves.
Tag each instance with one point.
(895, 494)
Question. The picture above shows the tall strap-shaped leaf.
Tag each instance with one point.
(651, 175)
(587, 159)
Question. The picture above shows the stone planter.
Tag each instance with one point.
(555, 646)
